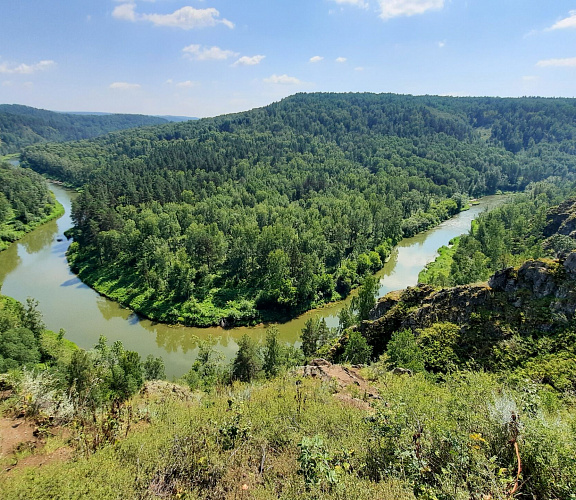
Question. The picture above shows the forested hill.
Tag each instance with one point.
(21, 126)
(290, 205)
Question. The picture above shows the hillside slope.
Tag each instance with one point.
(21, 126)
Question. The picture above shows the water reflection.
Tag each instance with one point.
(109, 309)
(37, 240)
(9, 261)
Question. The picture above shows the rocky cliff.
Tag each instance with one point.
(536, 299)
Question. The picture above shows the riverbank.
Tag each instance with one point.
(14, 210)
(58, 211)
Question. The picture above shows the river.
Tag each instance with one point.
(36, 266)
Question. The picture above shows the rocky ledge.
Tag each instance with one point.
(539, 296)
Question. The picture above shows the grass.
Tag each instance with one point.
(291, 438)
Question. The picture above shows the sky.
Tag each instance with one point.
(209, 57)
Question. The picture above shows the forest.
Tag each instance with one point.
(21, 126)
(267, 213)
(25, 202)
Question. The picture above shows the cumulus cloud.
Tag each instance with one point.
(282, 80)
(566, 62)
(186, 18)
(249, 61)
(126, 12)
(124, 86)
(199, 53)
(397, 8)
(341, 59)
(25, 69)
(568, 22)
(316, 59)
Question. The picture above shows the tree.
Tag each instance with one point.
(206, 369)
(403, 351)
(272, 353)
(18, 347)
(357, 351)
(314, 334)
(32, 318)
(347, 316)
(246, 364)
(367, 297)
(153, 368)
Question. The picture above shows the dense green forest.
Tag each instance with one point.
(25, 202)
(269, 212)
(21, 126)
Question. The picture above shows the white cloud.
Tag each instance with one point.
(341, 59)
(396, 8)
(124, 86)
(249, 61)
(186, 18)
(358, 68)
(567, 62)
(568, 22)
(529, 78)
(187, 84)
(283, 80)
(126, 12)
(25, 69)
(199, 53)
(358, 3)
(442, 44)
(316, 59)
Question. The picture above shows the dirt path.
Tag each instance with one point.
(21, 446)
(351, 387)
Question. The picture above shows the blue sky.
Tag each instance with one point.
(208, 57)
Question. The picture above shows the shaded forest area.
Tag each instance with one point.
(266, 213)
(21, 126)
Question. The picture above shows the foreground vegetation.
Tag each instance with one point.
(464, 435)
(25, 203)
(267, 213)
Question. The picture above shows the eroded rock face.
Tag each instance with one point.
(538, 295)
(562, 219)
(570, 266)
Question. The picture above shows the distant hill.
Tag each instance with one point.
(170, 118)
(22, 126)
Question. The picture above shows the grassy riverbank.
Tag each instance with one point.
(25, 203)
